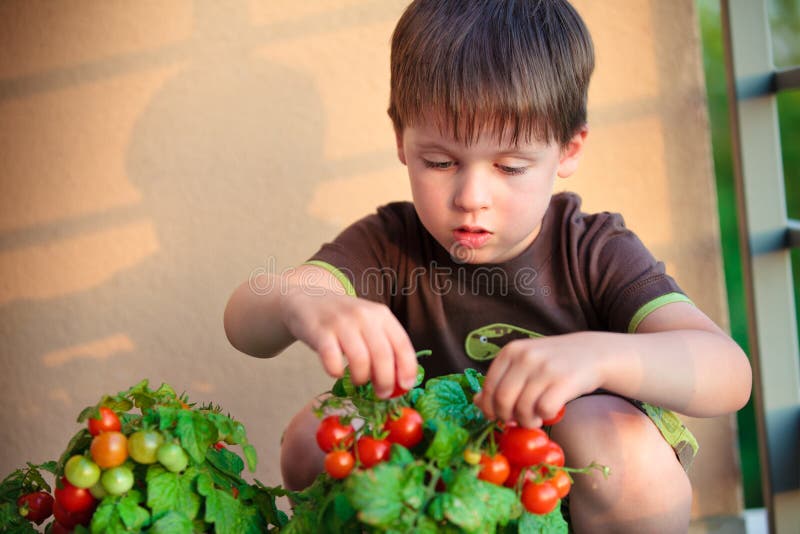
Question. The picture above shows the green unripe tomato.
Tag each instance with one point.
(81, 472)
(173, 457)
(143, 446)
(117, 480)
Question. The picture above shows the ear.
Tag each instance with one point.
(401, 154)
(571, 153)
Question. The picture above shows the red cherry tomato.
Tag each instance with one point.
(398, 392)
(494, 469)
(339, 464)
(73, 500)
(72, 519)
(372, 451)
(332, 434)
(523, 446)
(558, 417)
(405, 430)
(58, 528)
(36, 506)
(539, 497)
(553, 454)
(562, 483)
(108, 422)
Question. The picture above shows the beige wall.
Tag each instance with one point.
(153, 154)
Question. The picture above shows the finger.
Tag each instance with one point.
(552, 399)
(331, 356)
(404, 356)
(381, 362)
(357, 355)
(507, 394)
(525, 409)
(496, 371)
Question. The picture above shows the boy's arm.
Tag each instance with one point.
(309, 304)
(678, 359)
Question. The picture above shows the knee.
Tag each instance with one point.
(646, 480)
(300, 458)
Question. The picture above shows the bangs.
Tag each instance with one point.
(499, 68)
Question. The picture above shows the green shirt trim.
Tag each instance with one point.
(339, 275)
(652, 306)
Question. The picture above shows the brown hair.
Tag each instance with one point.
(518, 67)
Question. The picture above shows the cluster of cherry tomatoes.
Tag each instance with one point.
(527, 460)
(343, 450)
(107, 469)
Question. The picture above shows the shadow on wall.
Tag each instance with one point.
(210, 156)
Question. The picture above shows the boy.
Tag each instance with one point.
(489, 269)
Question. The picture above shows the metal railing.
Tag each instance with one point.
(766, 237)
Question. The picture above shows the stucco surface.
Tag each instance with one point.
(153, 155)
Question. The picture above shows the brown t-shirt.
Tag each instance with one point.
(582, 272)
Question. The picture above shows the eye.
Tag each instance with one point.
(438, 164)
(512, 170)
(484, 339)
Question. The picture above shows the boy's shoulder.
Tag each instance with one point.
(566, 213)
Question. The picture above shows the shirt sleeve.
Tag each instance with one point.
(625, 282)
(365, 255)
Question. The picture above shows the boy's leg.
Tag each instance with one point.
(648, 489)
(301, 458)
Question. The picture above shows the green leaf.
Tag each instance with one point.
(376, 494)
(196, 433)
(228, 514)
(474, 380)
(552, 523)
(120, 514)
(172, 523)
(414, 489)
(171, 492)
(445, 399)
(226, 461)
(400, 456)
(476, 503)
(448, 442)
(251, 456)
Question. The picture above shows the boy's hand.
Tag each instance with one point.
(365, 333)
(531, 379)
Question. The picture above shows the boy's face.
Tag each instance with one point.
(484, 202)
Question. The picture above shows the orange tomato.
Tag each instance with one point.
(109, 449)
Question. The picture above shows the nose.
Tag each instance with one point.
(472, 192)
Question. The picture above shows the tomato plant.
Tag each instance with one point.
(72, 498)
(173, 457)
(36, 506)
(539, 497)
(332, 434)
(143, 446)
(109, 449)
(81, 471)
(404, 429)
(494, 469)
(523, 446)
(108, 422)
(372, 451)
(339, 464)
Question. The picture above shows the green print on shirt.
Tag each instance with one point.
(485, 342)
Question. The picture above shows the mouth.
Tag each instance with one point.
(471, 236)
